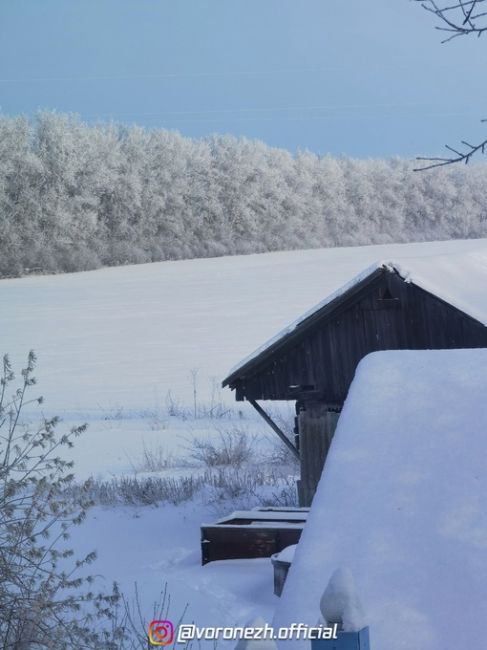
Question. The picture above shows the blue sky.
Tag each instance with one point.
(358, 78)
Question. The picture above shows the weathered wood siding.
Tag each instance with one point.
(387, 314)
(316, 428)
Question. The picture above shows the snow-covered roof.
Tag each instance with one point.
(458, 279)
(402, 504)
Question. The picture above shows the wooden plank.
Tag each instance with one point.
(233, 542)
(274, 427)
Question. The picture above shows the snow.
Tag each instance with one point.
(340, 602)
(153, 546)
(261, 524)
(458, 278)
(303, 510)
(286, 555)
(256, 644)
(277, 524)
(292, 326)
(121, 338)
(267, 515)
(112, 343)
(402, 503)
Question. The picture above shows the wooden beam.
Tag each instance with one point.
(274, 427)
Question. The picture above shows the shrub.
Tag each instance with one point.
(232, 448)
(46, 600)
(221, 488)
(128, 490)
(154, 458)
(243, 489)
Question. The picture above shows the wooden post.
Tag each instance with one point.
(316, 428)
(343, 641)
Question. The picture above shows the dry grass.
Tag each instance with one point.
(230, 448)
(154, 458)
(221, 488)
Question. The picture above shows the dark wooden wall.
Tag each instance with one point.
(316, 428)
(387, 314)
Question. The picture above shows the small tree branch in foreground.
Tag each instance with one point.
(459, 156)
(460, 18)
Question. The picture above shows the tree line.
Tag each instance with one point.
(76, 196)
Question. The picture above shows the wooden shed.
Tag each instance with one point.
(313, 361)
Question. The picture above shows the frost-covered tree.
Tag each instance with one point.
(20, 201)
(75, 196)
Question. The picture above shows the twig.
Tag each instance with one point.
(457, 19)
(461, 156)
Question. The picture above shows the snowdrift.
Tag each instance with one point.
(402, 503)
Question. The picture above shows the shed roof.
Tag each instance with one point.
(458, 279)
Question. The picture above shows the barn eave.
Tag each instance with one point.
(237, 377)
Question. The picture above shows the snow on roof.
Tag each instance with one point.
(265, 515)
(402, 504)
(459, 279)
(290, 328)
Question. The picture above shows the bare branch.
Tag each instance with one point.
(460, 19)
(461, 156)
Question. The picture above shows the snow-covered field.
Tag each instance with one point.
(131, 350)
(120, 338)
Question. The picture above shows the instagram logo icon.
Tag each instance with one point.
(161, 632)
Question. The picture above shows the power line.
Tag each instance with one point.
(275, 109)
(202, 74)
(281, 113)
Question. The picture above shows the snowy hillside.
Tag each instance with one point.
(117, 346)
(136, 351)
(401, 503)
(122, 337)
